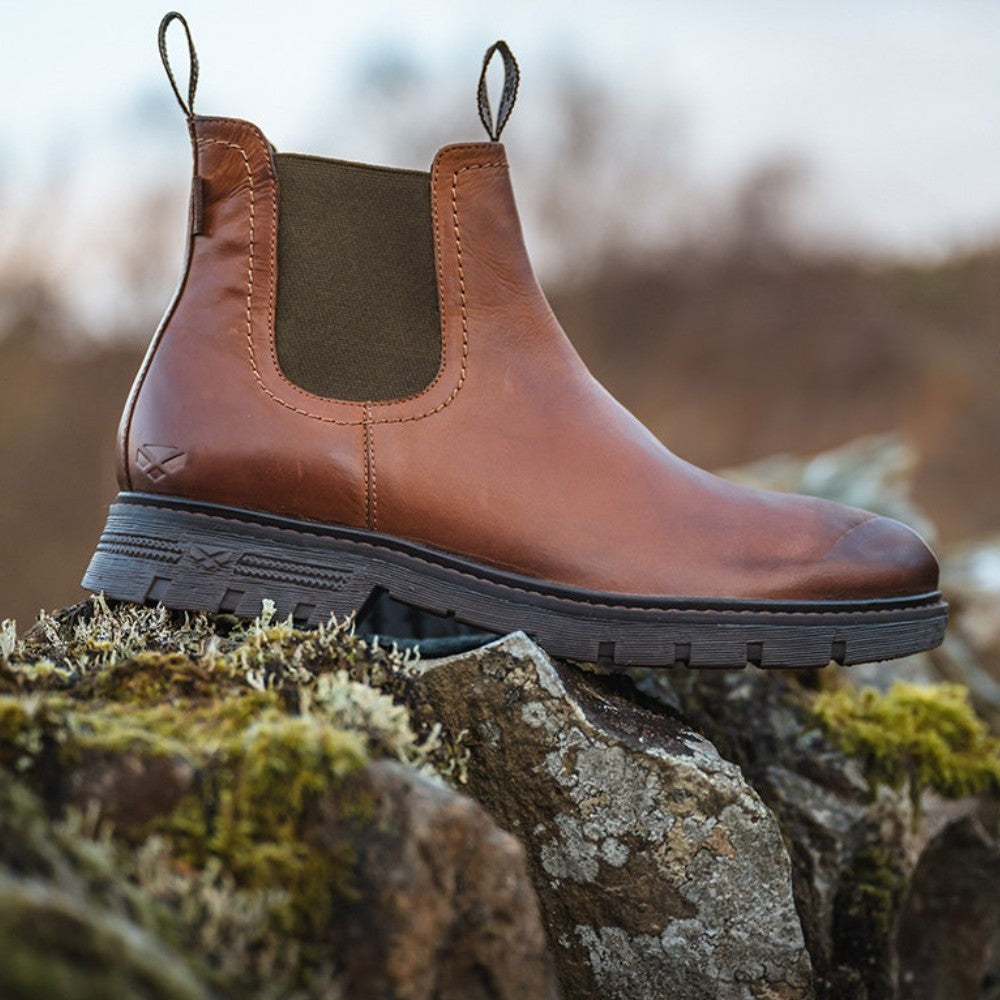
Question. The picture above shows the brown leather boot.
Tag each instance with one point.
(360, 388)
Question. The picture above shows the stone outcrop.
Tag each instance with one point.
(194, 807)
(441, 906)
(895, 849)
(665, 871)
(437, 904)
(243, 815)
(660, 871)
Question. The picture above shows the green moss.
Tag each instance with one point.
(246, 860)
(14, 720)
(261, 773)
(88, 874)
(58, 946)
(33, 732)
(136, 656)
(151, 677)
(865, 912)
(192, 732)
(927, 737)
(253, 812)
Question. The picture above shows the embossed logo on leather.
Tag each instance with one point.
(158, 460)
(209, 558)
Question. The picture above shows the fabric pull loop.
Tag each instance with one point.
(186, 106)
(511, 79)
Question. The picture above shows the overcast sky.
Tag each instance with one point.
(894, 104)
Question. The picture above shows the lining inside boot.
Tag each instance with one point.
(357, 314)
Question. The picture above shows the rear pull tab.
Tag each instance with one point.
(186, 106)
(511, 78)
(197, 209)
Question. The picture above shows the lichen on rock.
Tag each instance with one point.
(877, 795)
(660, 871)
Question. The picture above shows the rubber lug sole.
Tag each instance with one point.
(197, 556)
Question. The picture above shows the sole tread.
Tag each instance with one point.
(221, 559)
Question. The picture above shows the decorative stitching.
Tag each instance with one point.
(249, 310)
(369, 470)
(465, 317)
(374, 478)
(273, 283)
(366, 466)
(132, 402)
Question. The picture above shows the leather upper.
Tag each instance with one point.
(514, 455)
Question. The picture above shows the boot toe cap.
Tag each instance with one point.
(881, 557)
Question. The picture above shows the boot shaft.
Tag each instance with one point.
(320, 300)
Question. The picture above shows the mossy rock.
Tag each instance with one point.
(61, 947)
(189, 759)
(923, 737)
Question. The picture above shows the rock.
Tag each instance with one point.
(948, 933)
(435, 901)
(444, 906)
(249, 812)
(660, 872)
(253, 810)
(896, 883)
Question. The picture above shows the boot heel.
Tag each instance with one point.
(151, 552)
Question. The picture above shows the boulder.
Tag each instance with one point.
(660, 871)
(891, 815)
(195, 807)
(432, 900)
(442, 906)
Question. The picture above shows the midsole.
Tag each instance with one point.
(195, 556)
(537, 591)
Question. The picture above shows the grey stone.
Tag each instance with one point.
(660, 872)
(898, 899)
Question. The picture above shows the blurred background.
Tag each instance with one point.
(769, 227)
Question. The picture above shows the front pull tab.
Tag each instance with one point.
(511, 78)
(186, 106)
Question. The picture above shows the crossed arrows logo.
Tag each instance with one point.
(158, 460)
(209, 558)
